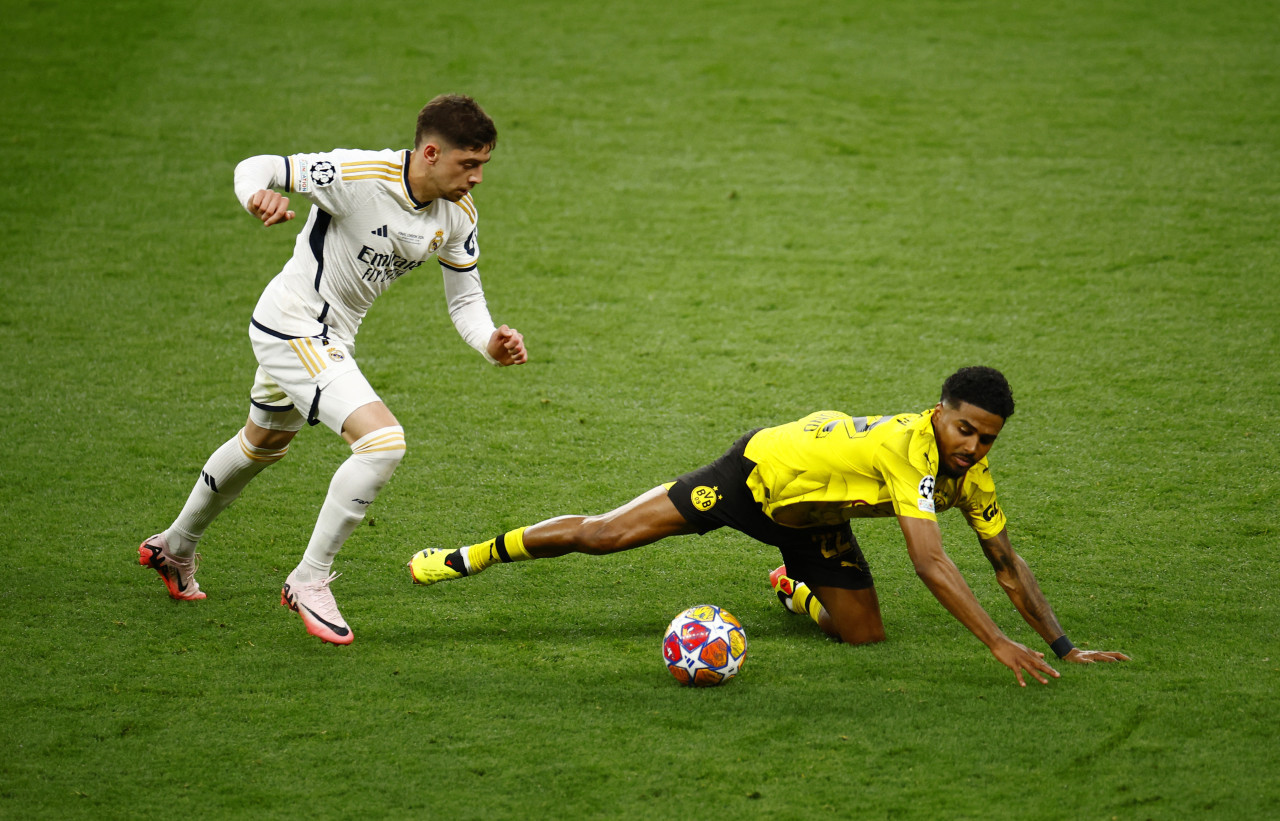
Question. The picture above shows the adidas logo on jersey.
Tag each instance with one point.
(379, 232)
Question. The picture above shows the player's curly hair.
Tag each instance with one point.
(981, 386)
(457, 120)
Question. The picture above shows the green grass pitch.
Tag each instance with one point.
(705, 217)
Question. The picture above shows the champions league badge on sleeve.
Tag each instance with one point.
(323, 173)
(926, 494)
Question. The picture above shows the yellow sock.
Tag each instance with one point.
(803, 600)
(509, 547)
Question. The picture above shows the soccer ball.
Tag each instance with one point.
(704, 646)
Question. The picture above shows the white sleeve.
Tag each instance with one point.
(258, 173)
(467, 308)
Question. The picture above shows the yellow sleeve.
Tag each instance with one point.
(910, 490)
(978, 502)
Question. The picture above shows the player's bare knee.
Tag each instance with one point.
(863, 636)
(854, 631)
(267, 438)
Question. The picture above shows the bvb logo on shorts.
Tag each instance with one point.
(704, 498)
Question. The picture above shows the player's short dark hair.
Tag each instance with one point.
(457, 120)
(981, 386)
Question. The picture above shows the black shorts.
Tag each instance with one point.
(717, 496)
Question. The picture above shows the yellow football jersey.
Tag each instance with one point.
(830, 467)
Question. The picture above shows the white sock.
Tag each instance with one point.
(355, 485)
(226, 473)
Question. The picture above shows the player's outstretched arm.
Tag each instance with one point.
(942, 577)
(1019, 584)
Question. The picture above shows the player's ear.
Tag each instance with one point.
(430, 152)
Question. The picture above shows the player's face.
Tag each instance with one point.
(964, 434)
(455, 171)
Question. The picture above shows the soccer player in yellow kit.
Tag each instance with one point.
(796, 486)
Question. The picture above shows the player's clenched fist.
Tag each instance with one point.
(506, 345)
(270, 207)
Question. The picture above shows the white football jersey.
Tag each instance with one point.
(365, 231)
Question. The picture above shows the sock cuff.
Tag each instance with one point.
(382, 439)
(510, 546)
(807, 601)
(257, 454)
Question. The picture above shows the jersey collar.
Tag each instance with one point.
(408, 189)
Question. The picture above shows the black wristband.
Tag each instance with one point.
(1062, 645)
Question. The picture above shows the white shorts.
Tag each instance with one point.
(304, 380)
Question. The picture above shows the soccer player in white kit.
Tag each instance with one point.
(375, 216)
